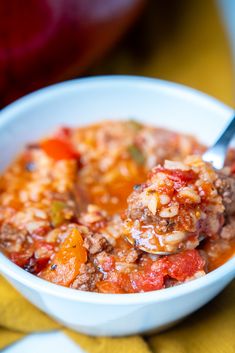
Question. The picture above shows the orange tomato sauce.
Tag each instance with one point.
(67, 189)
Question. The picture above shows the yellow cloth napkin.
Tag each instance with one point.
(183, 42)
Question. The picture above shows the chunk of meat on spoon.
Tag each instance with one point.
(180, 204)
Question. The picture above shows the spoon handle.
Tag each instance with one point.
(217, 153)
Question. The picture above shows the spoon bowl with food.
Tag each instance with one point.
(183, 203)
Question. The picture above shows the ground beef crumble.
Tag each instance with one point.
(87, 278)
(95, 243)
(228, 231)
(225, 185)
(12, 238)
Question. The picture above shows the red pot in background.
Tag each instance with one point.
(45, 41)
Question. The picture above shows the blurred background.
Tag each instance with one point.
(48, 41)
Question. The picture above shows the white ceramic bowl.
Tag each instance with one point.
(86, 101)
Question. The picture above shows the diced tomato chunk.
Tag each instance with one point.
(182, 175)
(20, 258)
(183, 265)
(154, 273)
(59, 149)
(147, 281)
(35, 257)
(178, 176)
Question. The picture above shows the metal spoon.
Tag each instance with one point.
(215, 155)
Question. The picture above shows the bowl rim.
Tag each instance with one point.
(38, 97)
